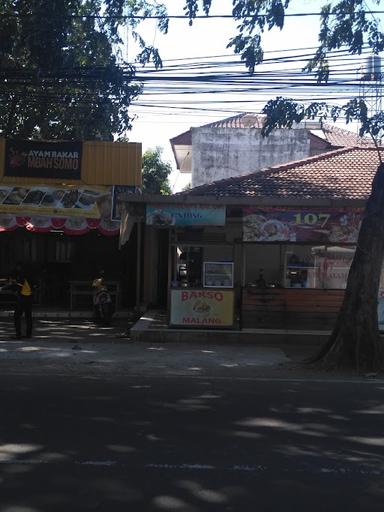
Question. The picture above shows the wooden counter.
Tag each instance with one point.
(290, 308)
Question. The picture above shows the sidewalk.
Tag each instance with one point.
(85, 350)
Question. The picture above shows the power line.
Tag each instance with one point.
(185, 17)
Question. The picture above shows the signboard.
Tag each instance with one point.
(202, 308)
(55, 201)
(40, 159)
(180, 215)
(306, 225)
(120, 196)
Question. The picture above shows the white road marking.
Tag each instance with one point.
(248, 468)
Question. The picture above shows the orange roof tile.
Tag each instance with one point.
(345, 173)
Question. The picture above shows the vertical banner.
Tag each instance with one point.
(380, 309)
(120, 196)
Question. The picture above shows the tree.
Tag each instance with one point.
(355, 338)
(156, 172)
(61, 74)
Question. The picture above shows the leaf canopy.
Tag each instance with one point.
(156, 172)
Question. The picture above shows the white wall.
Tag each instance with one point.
(220, 153)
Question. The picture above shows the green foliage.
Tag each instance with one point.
(156, 172)
(343, 23)
(60, 72)
(254, 18)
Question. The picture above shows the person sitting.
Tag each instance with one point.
(102, 301)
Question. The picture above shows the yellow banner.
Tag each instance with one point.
(53, 201)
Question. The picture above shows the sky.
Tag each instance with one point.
(168, 108)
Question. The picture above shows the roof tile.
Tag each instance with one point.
(345, 173)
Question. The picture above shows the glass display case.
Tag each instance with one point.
(218, 274)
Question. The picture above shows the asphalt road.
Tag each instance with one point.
(185, 444)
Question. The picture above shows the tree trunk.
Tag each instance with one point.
(355, 340)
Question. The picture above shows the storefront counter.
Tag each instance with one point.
(202, 308)
(287, 308)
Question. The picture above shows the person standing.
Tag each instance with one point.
(23, 288)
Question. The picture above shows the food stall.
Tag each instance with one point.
(201, 267)
(305, 281)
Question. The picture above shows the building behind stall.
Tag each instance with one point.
(232, 147)
(56, 217)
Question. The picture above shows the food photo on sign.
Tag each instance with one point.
(161, 218)
(284, 225)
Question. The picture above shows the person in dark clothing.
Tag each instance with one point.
(22, 286)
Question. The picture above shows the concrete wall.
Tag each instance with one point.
(220, 153)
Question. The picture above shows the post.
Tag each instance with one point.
(138, 265)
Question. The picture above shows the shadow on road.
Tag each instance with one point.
(194, 446)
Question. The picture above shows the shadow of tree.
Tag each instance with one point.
(190, 446)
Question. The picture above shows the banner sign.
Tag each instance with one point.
(40, 159)
(180, 215)
(202, 308)
(306, 225)
(120, 196)
(59, 202)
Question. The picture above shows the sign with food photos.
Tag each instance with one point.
(306, 225)
(42, 159)
(58, 202)
(202, 308)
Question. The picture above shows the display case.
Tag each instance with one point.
(299, 272)
(217, 274)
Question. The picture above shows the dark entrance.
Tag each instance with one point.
(57, 260)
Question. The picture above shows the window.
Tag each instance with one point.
(324, 267)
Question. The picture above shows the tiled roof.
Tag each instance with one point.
(335, 136)
(245, 120)
(340, 174)
(338, 137)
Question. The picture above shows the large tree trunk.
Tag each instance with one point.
(355, 340)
